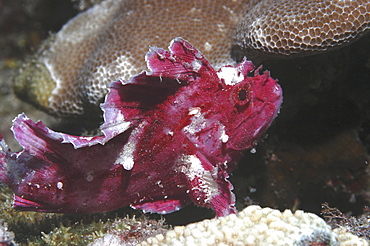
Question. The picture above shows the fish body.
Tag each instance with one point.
(171, 136)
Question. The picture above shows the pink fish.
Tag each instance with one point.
(171, 136)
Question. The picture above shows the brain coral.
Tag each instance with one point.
(69, 73)
(258, 226)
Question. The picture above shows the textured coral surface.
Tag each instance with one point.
(299, 27)
(109, 42)
(258, 226)
(69, 73)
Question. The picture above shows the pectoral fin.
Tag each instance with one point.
(208, 185)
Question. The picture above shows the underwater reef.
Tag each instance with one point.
(316, 151)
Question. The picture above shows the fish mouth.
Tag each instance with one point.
(255, 125)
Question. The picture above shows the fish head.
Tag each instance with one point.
(250, 101)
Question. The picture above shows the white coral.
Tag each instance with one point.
(6, 236)
(258, 226)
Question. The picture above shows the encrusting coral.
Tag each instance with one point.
(258, 226)
(300, 27)
(69, 73)
(108, 42)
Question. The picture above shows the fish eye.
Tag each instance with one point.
(241, 95)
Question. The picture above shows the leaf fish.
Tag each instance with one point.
(171, 136)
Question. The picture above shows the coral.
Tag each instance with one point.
(258, 226)
(24, 24)
(300, 27)
(69, 73)
(6, 236)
